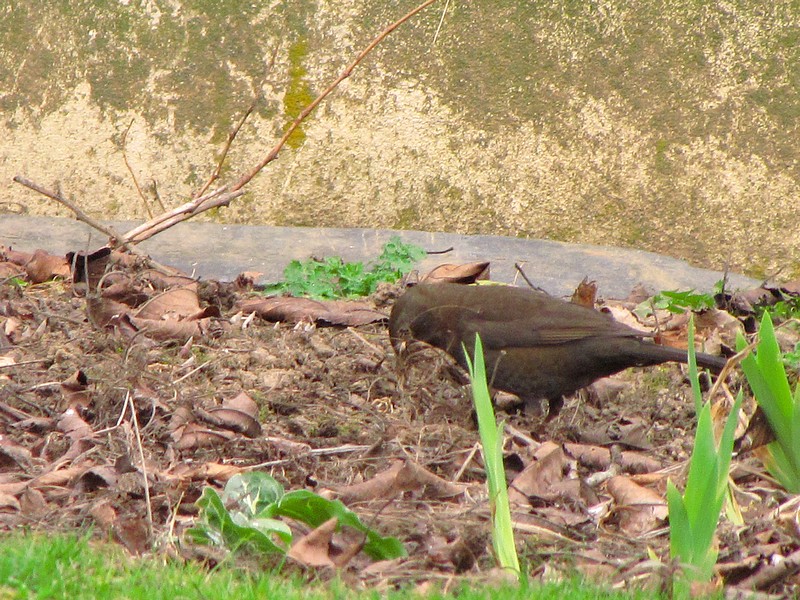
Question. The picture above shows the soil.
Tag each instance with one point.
(337, 409)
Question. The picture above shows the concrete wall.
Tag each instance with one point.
(667, 126)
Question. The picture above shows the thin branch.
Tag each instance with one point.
(232, 135)
(157, 196)
(115, 238)
(147, 500)
(130, 170)
(273, 154)
(519, 270)
(79, 214)
(441, 21)
(224, 195)
(218, 197)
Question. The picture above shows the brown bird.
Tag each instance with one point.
(535, 346)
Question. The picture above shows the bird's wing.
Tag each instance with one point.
(544, 328)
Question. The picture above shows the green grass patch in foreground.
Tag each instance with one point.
(62, 566)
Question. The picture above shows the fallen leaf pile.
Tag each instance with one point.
(125, 391)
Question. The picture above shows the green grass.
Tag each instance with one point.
(59, 566)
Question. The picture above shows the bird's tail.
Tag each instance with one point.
(704, 361)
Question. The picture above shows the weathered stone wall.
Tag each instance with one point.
(668, 126)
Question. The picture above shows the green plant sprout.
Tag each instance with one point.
(491, 435)
(792, 358)
(693, 516)
(675, 302)
(766, 375)
(333, 278)
(788, 308)
(250, 510)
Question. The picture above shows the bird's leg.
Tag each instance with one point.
(535, 407)
(555, 406)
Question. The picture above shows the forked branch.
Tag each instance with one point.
(223, 195)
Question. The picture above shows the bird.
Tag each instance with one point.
(535, 346)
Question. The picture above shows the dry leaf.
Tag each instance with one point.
(32, 503)
(539, 477)
(465, 273)
(75, 392)
(89, 267)
(94, 478)
(8, 503)
(597, 458)
(210, 471)
(196, 436)
(232, 419)
(59, 477)
(9, 270)
(133, 533)
(639, 509)
(73, 426)
(314, 548)
(401, 476)
(43, 266)
(167, 330)
(173, 303)
(585, 294)
(242, 402)
(103, 514)
(13, 457)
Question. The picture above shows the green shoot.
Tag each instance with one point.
(675, 302)
(333, 278)
(792, 358)
(18, 281)
(766, 375)
(492, 442)
(694, 375)
(693, 516)
(250, 510)
(788, 308)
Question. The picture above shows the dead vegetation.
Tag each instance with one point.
(118, 406)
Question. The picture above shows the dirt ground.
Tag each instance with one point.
(335, 411)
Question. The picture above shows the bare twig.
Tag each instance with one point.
(130, 170)
(519, 270)
(137, 432)
(273, 154)
(224, 195)
(219, 197)
(79, 214)
(157, 196)
(441, 21)
(232, 135)
(116, 239)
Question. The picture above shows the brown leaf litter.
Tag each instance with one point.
(123, 392)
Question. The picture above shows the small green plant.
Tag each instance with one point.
(693, 516)
(250, 510)
(492, 445)
(766, 375)
(333, 278)
(783, 310)
(17, 281)
(792, 358)
(676, 302)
